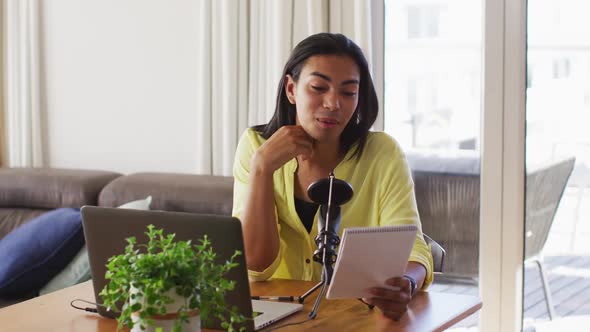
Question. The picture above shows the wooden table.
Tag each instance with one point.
(429, 311)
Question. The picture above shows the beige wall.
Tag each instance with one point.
(2, 105)
(2, 135)
(119, 89)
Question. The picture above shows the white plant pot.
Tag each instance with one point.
(166, 322)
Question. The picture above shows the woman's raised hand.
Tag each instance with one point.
(285, 144)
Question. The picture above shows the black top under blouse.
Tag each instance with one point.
(306, 211)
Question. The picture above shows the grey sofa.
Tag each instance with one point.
(447, 193)
(26, 193)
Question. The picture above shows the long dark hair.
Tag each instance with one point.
(366, 111)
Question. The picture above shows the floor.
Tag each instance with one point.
(569, 281)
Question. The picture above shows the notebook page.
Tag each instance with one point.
(368, 256)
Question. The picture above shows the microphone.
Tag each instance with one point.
(327, 239)
(330, 193)
(332, 226)
(319, 191)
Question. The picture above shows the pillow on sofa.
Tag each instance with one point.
(36, 251)
(140, 204)
(78, 270)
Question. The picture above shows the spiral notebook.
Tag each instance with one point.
(368, 256)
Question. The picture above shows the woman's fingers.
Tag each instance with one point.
(305, 148)
(400, 294)
(392, 295)
(285, 144)
(295, 143)
(401, 282)
(392, 303)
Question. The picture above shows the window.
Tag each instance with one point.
(423, 21)
(432, 72)
(561, 68)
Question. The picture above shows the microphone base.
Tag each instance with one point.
(302, 298)
(325, 281)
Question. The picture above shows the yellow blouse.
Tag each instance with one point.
(383, 195)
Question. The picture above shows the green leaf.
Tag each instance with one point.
(136, 307)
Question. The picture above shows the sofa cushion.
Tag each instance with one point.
(35, 252)
(140, 204)
(173, 192)
(49, 188)
(78, 270)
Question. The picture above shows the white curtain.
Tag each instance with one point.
(244, 46)
(2, 113)
(350, 17)
(23, 111)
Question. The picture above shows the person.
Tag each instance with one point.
(325, 107)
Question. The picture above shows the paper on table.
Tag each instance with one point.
(368, 256)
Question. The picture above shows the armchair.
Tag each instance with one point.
(447, 192)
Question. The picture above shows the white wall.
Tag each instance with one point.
(119, 84)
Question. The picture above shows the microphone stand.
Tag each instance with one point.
(327, 238)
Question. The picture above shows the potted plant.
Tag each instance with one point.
(169, 285)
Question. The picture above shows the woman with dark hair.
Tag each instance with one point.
(326, 105)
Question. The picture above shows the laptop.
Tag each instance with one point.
(105, 231)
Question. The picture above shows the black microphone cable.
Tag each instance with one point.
(89, 309)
